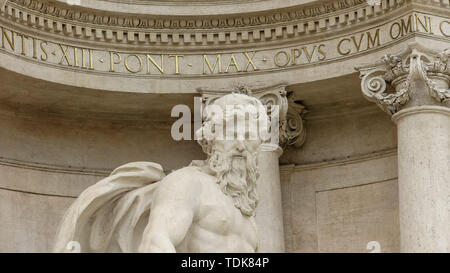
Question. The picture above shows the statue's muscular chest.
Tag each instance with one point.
(218, 214)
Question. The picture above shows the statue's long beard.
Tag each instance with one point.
(237, 178)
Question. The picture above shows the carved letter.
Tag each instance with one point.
(358, 45)
(295, 54)
(64, 56)
(9, 39)
(177, 69)
(128, 67)
(340, 49)
(441, 27)
(371, 41)
(322, 52)
(232, 63)
(275, 58)
(406, 27)
(309, 56)
(212, 68)
(424, 25)
(111, 60)
(75, 57)
(23, 42)
(34, 48)
(392, 28)
(159, 67)
(44, 50)
(250, 60)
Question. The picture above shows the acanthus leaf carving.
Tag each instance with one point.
(401, 72)
(439, 93)
(293, 130)
(374, 84)
(439, 67)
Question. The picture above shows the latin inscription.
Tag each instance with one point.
(153, 63)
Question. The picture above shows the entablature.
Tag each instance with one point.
(297, 24)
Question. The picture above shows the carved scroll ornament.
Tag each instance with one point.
(389, 81)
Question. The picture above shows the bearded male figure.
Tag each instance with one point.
(206, 207)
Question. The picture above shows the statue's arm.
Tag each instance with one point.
(171, 215)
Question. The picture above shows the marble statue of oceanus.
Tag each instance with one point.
(208, 206)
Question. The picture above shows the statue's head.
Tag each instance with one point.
(230, 136)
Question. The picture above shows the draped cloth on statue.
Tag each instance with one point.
(111, 215)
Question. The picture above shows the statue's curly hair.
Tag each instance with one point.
(207, 133)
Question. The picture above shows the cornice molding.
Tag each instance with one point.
(94, 25)
(190, 7)
(155, 21)
(338, 162)
(120, 29)
(53, 168)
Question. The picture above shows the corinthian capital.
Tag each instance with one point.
(291, 112)
(395, 80)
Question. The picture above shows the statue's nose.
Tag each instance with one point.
(240, 148)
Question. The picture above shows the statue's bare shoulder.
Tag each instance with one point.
(184, 184)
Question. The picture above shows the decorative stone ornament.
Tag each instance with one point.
(391, 82)
(293, 131)
(439, 77)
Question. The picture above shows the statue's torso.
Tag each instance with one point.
(218, 226)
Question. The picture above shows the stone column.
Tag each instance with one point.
(423, 169)
(269, 212)
(419, 104)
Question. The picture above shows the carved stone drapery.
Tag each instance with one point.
(291, 112)
(402, 72)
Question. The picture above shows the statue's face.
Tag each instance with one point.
(233, 160)
(237, 148)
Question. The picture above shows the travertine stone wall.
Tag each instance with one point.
(339, 195)
(46, 163)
